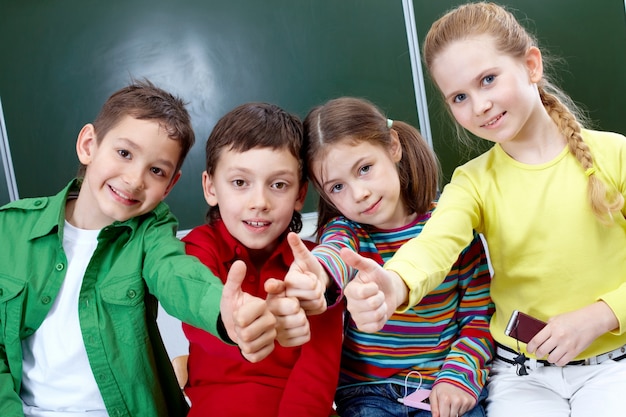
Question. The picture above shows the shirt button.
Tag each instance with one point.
(131, 294)
(37, 203)
(45, 299)
(59, 266)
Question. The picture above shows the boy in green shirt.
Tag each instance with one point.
(81, 272)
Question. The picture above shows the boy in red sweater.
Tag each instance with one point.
(255, 185)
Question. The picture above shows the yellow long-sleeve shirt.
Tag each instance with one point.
(549, 253)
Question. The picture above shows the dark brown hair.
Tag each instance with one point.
(256, 125)
(356, 119)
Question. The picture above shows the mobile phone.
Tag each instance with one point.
(523, 327)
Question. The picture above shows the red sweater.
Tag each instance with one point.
(298, 381)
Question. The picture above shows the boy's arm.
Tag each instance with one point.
(312, 383)
(189, 291)
(466, 365)
(10, 402)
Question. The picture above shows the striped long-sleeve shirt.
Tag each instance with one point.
(445, 338)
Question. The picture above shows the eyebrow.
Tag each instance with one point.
(129, 143)
(477, 78)
(244, 170)
(356, 164)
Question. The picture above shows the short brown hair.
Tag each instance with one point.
(145, 101)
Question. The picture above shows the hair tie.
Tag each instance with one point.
(389, 123)
(590, 171)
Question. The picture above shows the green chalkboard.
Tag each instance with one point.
(59, 61)
(590, 37)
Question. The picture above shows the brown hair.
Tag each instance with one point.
(356, 119)
(256, 125)
(512, 38)
(144, 101)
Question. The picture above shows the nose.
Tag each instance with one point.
(481, 105)
(258, 199)
(134, 178)
(360, 192)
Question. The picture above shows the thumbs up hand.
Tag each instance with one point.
(306, 279)
(374, 294)
(247, 319)
(292, 325)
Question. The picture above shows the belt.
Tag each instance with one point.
(508, 355)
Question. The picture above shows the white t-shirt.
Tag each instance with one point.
(57, 380)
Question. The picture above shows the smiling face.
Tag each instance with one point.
(491, 94)
(257, 192)
(129, 171)
(361, 180)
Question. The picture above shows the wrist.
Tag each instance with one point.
(401, 291)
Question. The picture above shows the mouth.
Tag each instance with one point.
(257, 224)
(372, 208)
(494, 120)
(122, 196)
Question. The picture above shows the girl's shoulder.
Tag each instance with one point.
(603, 138)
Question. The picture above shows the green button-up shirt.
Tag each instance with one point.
(134, 259)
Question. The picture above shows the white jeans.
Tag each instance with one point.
(552, 391)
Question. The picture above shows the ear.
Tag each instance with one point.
(209, 189)
(395, 150)
(301, 196)
(172, 183)
(534, 64)
(86, 144)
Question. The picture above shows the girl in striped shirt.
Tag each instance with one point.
(377, 181)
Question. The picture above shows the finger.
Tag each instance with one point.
(293, 330)
(301, 254)
(284, 306)
(256, 325)
(364, 265)
(236, 275)
(274, 287)
(434, 403)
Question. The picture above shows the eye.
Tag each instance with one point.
(365, 169)
(488, 79)
(336, 188)
(123, 153)
(238, 183)
(279, 185)
(459, 98)
(157, 171)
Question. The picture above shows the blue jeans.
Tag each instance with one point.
(381, 400)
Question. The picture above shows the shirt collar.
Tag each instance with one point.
(53, 218)
(232, 249)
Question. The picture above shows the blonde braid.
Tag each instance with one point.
(602, 203)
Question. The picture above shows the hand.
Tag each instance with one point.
(446, 400)
(292, 325)
(567, 335)
(247, 319)
(374, 294)
(306, 279)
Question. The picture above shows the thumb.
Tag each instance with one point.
(364, 265)
(274, 288)
(236, 275)
(301, 254)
